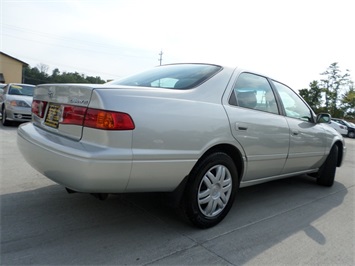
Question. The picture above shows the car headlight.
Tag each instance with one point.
(19, 103)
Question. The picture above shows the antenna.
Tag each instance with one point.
(160, 57)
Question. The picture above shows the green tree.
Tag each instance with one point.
(348, 101)
(313, 95)
(95, 80)
(55, 76)
(332, 85)
(69, 77)
(35, 76)
(38, 75)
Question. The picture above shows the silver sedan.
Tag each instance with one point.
(15, 103)
(200, 131)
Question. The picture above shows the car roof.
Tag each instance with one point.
(22, 84)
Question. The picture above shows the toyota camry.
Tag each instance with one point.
(200, 131)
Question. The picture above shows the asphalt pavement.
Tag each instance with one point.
(287, 222)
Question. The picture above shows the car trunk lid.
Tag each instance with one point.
(60, 108)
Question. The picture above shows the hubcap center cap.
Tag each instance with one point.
(216, 191)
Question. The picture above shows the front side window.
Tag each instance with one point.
(179, 76)
(254, 92)
(294, 106)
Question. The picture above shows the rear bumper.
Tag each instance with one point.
(76, 165)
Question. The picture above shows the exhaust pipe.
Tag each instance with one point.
(70, 191)
(100, 196)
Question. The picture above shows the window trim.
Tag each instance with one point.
(193, 85)
(273, 81)
(232, 97)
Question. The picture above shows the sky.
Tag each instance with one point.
(292, 41)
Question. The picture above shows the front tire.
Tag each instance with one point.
(3, 117)
(210, 190)
(327, 171)
(351, 134)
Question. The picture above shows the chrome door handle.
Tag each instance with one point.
(295, 132)
(241, 126)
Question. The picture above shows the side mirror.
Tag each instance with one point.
(324, 118)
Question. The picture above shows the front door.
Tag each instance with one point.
(307, 141)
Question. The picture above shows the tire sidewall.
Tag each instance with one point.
(191, 199)
(3, 116)
(328, 169)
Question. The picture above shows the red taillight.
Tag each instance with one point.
(73, 115)
(39, 108)
(83, 116)
(108, 120)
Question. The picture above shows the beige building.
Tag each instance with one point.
(11, 69)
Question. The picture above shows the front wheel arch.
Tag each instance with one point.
(326, 173)
(340, 153)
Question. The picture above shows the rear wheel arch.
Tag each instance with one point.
(232, 152)
(184, 197)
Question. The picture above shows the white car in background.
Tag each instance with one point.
(343, 130)
(15, 103)
(351, 128)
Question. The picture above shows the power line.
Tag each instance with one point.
(74, 43)
(61, 65)
(50, 39)
(57, 37)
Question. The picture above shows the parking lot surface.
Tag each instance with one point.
(287, 222)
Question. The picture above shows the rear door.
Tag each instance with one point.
(256, 124)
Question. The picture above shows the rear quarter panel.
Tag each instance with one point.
(173, 129)
(170, 135)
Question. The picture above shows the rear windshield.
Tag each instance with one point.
(179, 76)
(21, 90)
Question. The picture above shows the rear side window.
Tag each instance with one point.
(179, 76)
(253, 92)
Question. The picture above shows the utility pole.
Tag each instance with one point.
(160, 57)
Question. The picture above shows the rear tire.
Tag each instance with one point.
(210, 190)
(327, 171)
(351, 134)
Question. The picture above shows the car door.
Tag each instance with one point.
(307, 139)
(256, 124)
